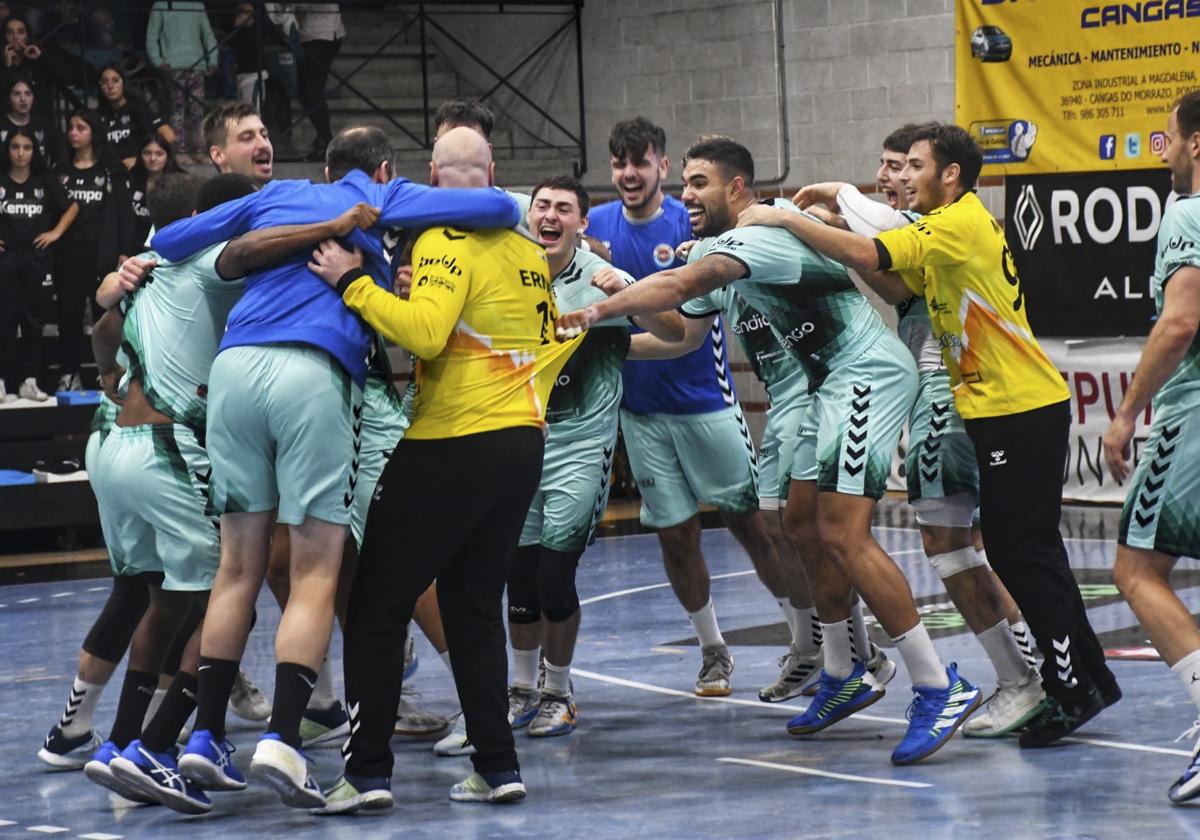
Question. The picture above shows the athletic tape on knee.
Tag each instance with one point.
(109, 637)
(523, 607)
(959, 560)
(556, 585)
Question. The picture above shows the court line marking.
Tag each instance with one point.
(6, 823)
(827, 774)
(622, 592)
(101, 836)
(1121, 745)
(48, 829)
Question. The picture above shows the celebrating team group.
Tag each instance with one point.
(251, 433)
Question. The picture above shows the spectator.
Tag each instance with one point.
(21, 113)
(321, 34)
(154, 158)
(23, 59)
(246, 43)
(97, 184)
(128, 120)
(180, 40)
(36, 213)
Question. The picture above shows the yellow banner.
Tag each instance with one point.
(1072, 85)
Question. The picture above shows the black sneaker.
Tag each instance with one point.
(1061, 716)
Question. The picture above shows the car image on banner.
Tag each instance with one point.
(990, 43)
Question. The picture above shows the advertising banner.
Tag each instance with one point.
(1072, 85)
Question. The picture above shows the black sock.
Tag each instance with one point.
(215, 677)
(163, 729)
(293, 687)
(136, 694)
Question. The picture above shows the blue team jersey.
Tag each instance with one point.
(287, 303)
(697, 383)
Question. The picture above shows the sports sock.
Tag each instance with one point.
(704, 622)
(860, 643)
(136, 693)
(525, 668)
(838, 661)
(558, 680)
(1188, 670)
(1021, 635)
(445, 657)
(924, 667)
(177, 706)
(806, 635)
(1002, 649)
(216, 678)
(81, 707)
(293, 687)
(155, 702)
(789, 615)
(323, 694)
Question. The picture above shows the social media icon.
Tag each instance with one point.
(1158, 142)
(1108, 146)
(1133, 145)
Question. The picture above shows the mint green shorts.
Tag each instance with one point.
(383, 424)
(940, 468)
(776, 451)
(572, 495)
(1162, 510)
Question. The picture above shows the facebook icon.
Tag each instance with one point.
(1108, 146)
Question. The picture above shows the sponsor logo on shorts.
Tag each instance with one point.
(997, 458)
(646, 482)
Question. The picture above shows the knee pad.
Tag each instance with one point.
(180, 643)
(959, 560)
(523, 607)
(556, 584)
(122, 612)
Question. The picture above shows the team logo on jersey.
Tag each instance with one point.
(664, 255)
(3, 193)
(98, 180)
(39, 194)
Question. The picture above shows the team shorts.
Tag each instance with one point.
(940, 466)
(1162, 509)
(776, 452)
(572, 495)
(152, 485)
(680, 461)
(284, 422)
(383, 424)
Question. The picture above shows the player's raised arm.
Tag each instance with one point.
(179, 240)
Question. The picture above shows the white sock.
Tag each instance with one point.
(558, 679)
(1188, 670)
(838, 661)
(1024, 640)
(860, 643)
(704, 622)
(81, 706)
(924, 667)
(785, 607)
(323, 694)
(806, 635)
(445, 657)
(525, 668)
(1002, 649)
(155, 701)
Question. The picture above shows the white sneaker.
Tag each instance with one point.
(797, 672)
(716, 668)
(285, 770)
(412, 721)
(247, 701)
(29, 390)
(6, 397)
(456, 743)
(523, 705)
(1011, 707)
(69, 382)
(881, 668)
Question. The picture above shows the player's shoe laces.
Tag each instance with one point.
(837, 698)
(504, 786)
(411, 720)
(247, 701)
(99, 771)
(324, 727)
(797, 672)
(208, 763)
(716, 667)
(523, 705)
(1187, 786)
(457, 742)
(1010, 708)
(934, 715)
(1062, 715)
(67, 752)
(352, 793)
(285, 770)
(156, 775)
(555, 716)
(881, 668)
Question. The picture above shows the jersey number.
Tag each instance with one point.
(1010, 274)
(543, 309)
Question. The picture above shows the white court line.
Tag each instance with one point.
(96, 588)
(61, 594)
(28, 600)
(100, 836)
(622, 592)
(48, 829)
(1120, 745)
(4, 823)
(808, 771)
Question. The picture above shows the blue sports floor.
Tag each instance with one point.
(649, 759)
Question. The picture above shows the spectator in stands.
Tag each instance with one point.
(180, 40)
(321, 34)
(36, 214)
(21, 113)
(154, 158)
(246, 43)
(96, 182)
(128, 120)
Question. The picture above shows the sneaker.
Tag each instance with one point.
(505, 786)
(6, 397)
(99, 771)
(69, 382)
(881, 668)
(285, 770)
(1187, 786)
(797, 672)
(523, 704)
(157, 776)
(555, 716)
(411, 662)
(1060, 716)
(457, 742)
(934, 715)
(246, 701)
(412, 721)
(29, 390)
(68, 752)
(837, 698)
(715, 669)
(1010, 708)
(352, 793)
(208, 763)
(324, 728)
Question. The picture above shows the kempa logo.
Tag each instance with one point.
(1028, 217)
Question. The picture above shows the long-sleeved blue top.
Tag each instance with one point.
(287, 302)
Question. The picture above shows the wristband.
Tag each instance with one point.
(349, 277)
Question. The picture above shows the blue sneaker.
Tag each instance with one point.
(155, 774)
(837, 699)
(208, 763)
(99, 771)
(68, 753)
(285, 770)
(934, 715)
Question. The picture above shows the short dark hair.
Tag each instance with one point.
(565, 182)
(465, 112)
(172, 197)
(361, 147)
(954, 144)
(632, 139)
(901, 139)
(228, 186)
(730, 156)
(1188, 114)
(216, 121)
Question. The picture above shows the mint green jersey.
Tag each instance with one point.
(1178, 247)
(173, 327)
(105, 416)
